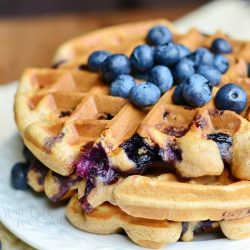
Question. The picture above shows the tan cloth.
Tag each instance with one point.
(11, 242)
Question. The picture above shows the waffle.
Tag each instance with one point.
(118, 39)
(40, 89)
(52, 107)
(184, 139)
(108, 219)
(182, 135)
(226, 116)
(41, 179)
(166, 197)
(65, 116)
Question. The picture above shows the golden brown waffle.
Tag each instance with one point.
(60, 111)
(167, 197)
(36, 177)
(121, 38)
(50, 96)
(55, 186)
(55, 108)
(61, 117)
(108, 219)
(200, 123)
(117, 39)
(183, 135)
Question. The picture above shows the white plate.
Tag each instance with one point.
(44, 226)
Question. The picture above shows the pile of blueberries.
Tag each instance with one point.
(161, 63)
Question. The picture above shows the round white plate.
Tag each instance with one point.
(43, 225)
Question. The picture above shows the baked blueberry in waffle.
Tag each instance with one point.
(148, 126)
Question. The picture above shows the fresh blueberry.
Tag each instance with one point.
(19, 176)
(197, 90)
(201, 56)
(177, 97)
(114, 66)
(144, 94)
(162, 77)
(183, 70)
(159, 35)
(221, 46)
(142, 58)
(213, 75)
(122, 85)
(96, 59)
(231, 97)
(248, 70)
(221, 63)
(183, 50)
(166, 54)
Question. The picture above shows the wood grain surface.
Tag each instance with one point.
(32, 41)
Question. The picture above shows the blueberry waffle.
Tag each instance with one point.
(42, 179)
(144, 155)
(60, 105)
(108, 219)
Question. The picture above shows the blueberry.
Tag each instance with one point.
(221, 46)
(177, 97)
(221, 63)
(213, 75)
(141, 153)
(19, 176)
(197, 90)
(96, 59)
(248, 70)
(159, 35)
(166, 54)
(183, 69)
(142, 58)
(183, 50)
(122, 85)
(144, 94)
(231, 97)
(162, 77)
(114, 66)
(201, 56)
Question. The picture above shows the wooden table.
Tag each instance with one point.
(32, 41)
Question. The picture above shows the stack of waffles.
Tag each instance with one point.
(162, 173)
